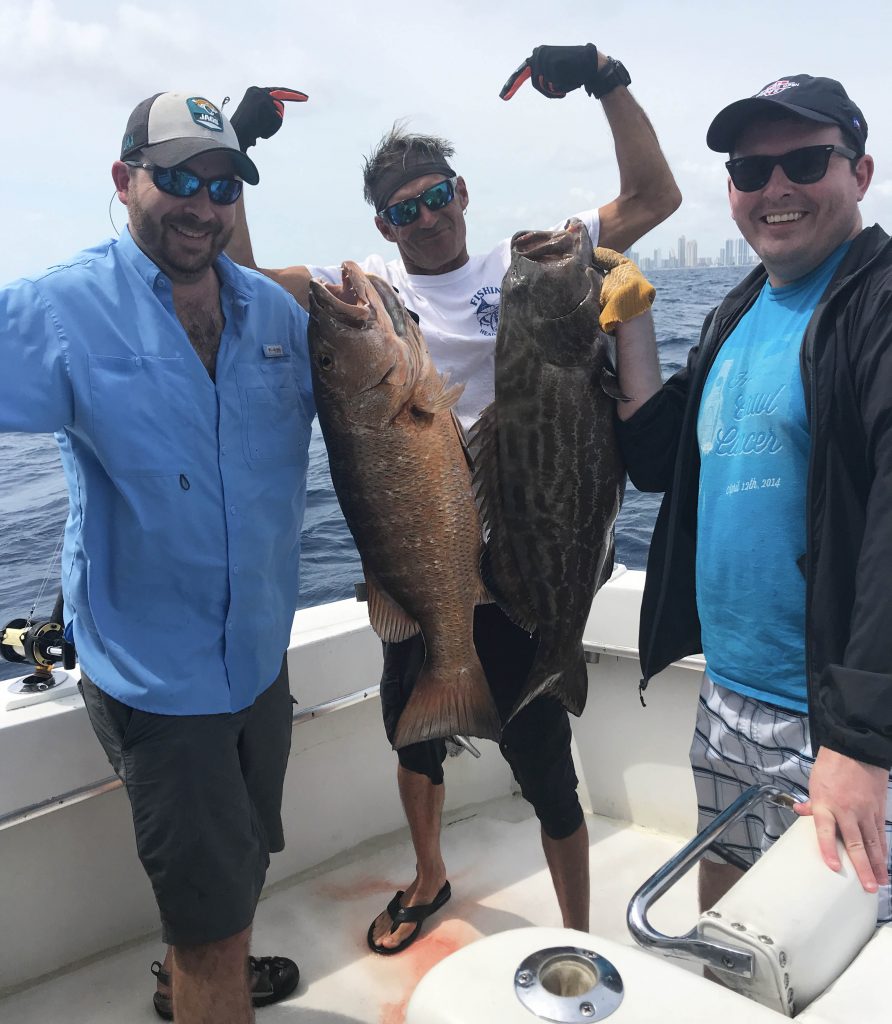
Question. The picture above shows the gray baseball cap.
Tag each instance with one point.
(172, 127)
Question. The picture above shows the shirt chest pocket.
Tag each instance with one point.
(275, 427)
(144, 414)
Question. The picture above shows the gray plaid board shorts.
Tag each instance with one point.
(741, 742)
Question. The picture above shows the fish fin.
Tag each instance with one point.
(441, 399)
(389, 620)
(552, 676)
(610, 385)
(515, 607)
(609, 560)
(498, 566)
(463, 439)
(448, 704)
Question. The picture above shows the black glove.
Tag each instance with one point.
(556, 70)
(261, 111)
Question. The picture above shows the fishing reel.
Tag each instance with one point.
(41, 644)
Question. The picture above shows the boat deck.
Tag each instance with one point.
(499, 881)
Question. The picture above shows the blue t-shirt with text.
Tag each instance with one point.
(754, 441)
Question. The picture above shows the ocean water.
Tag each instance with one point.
(34, 500)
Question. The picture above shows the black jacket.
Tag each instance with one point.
(846, 362)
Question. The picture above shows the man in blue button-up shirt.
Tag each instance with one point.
(178, 387)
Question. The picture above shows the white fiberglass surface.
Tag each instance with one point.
(499, 881)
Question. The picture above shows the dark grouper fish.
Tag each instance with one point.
(402, 476)
(548, 472)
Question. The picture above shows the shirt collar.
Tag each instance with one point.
(231, 275)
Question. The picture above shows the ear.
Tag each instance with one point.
(385, 228)
(462, 189)
(864, 174)
(121, 173)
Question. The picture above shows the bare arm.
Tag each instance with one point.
(648, 193)
(637, 363)
(295, 280)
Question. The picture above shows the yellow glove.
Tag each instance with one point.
(625, 293)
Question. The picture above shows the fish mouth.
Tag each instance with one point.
(347, 302)
(558, 249)
(549, 246)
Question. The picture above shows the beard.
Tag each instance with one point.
(182, 258)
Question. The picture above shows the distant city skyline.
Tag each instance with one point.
(733, 252)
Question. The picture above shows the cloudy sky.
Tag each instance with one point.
(71, 71)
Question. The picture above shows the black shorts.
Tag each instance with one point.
(206, 795)
(535, 743)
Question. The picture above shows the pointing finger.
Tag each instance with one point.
(516, 80)
(292, 95)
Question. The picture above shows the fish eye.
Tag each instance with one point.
(325, 362)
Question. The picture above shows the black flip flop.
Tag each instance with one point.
(407, 915)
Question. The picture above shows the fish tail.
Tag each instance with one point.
(448, 703)
(558, 678)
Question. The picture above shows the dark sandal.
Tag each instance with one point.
(273, 978)
(407, 915)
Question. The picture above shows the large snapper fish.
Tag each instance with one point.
(548, 471)
(402, 475)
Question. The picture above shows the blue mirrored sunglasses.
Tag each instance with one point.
(407, 211)
(176, 181)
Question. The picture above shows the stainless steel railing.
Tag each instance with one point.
(691, 946)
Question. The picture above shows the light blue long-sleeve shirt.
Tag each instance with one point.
(181, 557)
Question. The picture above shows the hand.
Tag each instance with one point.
(849, 796)
(556, 70)
(261, 111)
(625, 291)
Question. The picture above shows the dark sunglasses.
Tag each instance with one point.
(175, 181)
(803, 166)
(407, 211)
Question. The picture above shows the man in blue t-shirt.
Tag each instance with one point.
(773, 548)
(178, 387)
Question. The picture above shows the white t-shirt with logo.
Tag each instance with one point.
(458, 313)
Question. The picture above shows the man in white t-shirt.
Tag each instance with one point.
(420, 205)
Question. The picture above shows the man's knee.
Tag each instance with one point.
(425, 758)
(542, 763)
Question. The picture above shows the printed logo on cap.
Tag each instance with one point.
(204, 113)
(781, 85)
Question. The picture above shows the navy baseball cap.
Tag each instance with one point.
(822, 100)
(172, 127)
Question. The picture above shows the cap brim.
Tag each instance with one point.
(730, 122)
(176, 151)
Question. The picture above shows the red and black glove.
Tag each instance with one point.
(556, 70)
(261, 111)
